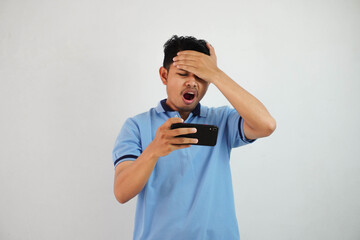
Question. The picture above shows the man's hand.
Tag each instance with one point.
(200, 64)
(131, 176)
(165, 141)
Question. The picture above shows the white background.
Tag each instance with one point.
(71, 72)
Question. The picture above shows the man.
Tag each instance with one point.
(187, 193)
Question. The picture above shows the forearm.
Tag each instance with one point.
(131, 180)
(250, 108)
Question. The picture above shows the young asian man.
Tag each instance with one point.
(185, 191)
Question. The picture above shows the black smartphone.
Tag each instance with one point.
(206, 134)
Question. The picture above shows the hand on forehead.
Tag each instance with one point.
(198, 63)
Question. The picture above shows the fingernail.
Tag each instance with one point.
(194, 130)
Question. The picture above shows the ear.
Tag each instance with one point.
(163, 75)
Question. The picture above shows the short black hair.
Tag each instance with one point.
(176, 44)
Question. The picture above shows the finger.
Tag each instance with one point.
(183, 131)
(189, 52)
(186, 57)
(211, 49)
(186, 63)
(173, 120)
(191, 69)
(183, 140)
(185, 60)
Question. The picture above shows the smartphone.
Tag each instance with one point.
(206, 134)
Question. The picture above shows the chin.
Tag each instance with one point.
(189, 107)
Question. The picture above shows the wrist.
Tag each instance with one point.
(218, 77)
(150, 152)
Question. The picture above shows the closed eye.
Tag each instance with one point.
(185, 75)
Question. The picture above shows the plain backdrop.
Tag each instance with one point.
(73, 71)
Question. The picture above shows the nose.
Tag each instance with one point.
(191, 81)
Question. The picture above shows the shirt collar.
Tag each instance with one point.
(198, 110)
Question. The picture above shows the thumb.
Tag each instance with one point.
(211, 49)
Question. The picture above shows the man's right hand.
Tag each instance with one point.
(165, 140)
(131, 176)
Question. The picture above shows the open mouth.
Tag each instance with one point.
(189, 96)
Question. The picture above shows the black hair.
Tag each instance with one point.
(176, 44)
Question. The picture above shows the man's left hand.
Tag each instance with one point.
(200, 64)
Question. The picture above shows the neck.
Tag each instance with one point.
(184, 115)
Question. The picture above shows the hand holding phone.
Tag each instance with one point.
(206, 134)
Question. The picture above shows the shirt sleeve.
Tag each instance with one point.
(235, 128)
(128, 143)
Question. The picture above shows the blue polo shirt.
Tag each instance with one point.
(189, 194)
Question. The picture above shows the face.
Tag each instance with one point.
(184, 89)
